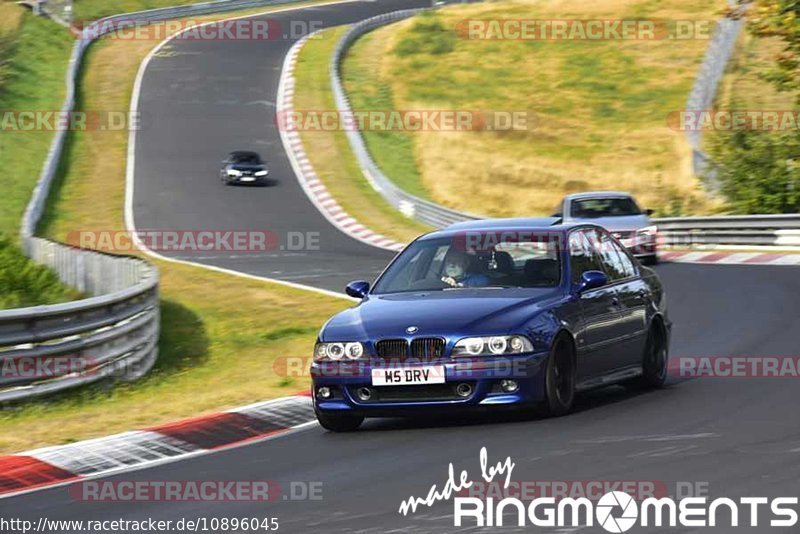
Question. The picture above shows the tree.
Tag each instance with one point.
(759, 171)
(780, 18)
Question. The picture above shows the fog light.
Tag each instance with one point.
(364, 394)
(509, 386)
(464, 390)
(324, 392)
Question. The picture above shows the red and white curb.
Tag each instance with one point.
(730, 258)
(308, 178)
(93, 458)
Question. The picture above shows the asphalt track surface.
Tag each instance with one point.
(740, 436)
(200, 100)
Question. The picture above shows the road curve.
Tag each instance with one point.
(201, 99)
(740, 435)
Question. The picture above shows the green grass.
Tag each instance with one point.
(24, 283)
(393, 151)
(33, 58)
(35, 66)
(95, 9)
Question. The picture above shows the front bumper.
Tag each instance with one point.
(482, 375)
(247, 180)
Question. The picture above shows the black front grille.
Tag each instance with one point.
(427, 348)
(422, 349)
(392, 348)
(427, 392)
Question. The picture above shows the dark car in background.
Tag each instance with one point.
(618, 213)
(487, 314)
(244, 167)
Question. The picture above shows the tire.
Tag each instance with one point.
(650, 260)
(339, 423)
(654, 360)
(560, 378)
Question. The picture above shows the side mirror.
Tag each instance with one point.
(649, 212)
(592, 280)
(357, 289)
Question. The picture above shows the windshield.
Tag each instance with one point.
(245, 158)
(592, 208)
(476, 261)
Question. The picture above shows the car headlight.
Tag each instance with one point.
(338, 351)
(234, 172)
(262, 173)
(492, 346)
(649, 230)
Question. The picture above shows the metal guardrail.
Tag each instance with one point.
(753, 230)
(114, 333)
(409, 205)
(45, 349)
(709, 76)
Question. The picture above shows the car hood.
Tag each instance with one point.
(439, 313)
(621, 224)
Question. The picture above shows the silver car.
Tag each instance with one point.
(618, 213)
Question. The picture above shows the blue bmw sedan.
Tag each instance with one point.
(484, 314)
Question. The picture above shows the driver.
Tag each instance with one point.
(455, 272)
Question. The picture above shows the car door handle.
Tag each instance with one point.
(615, 301)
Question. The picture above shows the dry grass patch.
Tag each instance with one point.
(600, 106)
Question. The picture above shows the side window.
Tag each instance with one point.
(610, 254)
(582, 255)
(627, 264)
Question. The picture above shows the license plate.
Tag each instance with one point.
(248, 179)
(408, 376)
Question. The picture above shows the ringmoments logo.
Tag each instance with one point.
(615, 511)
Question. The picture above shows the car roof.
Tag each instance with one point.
(544, 224)
(599, 194)
(246, 153)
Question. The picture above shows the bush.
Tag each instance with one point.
(759, 171)
(24, 283)
(428, 36)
